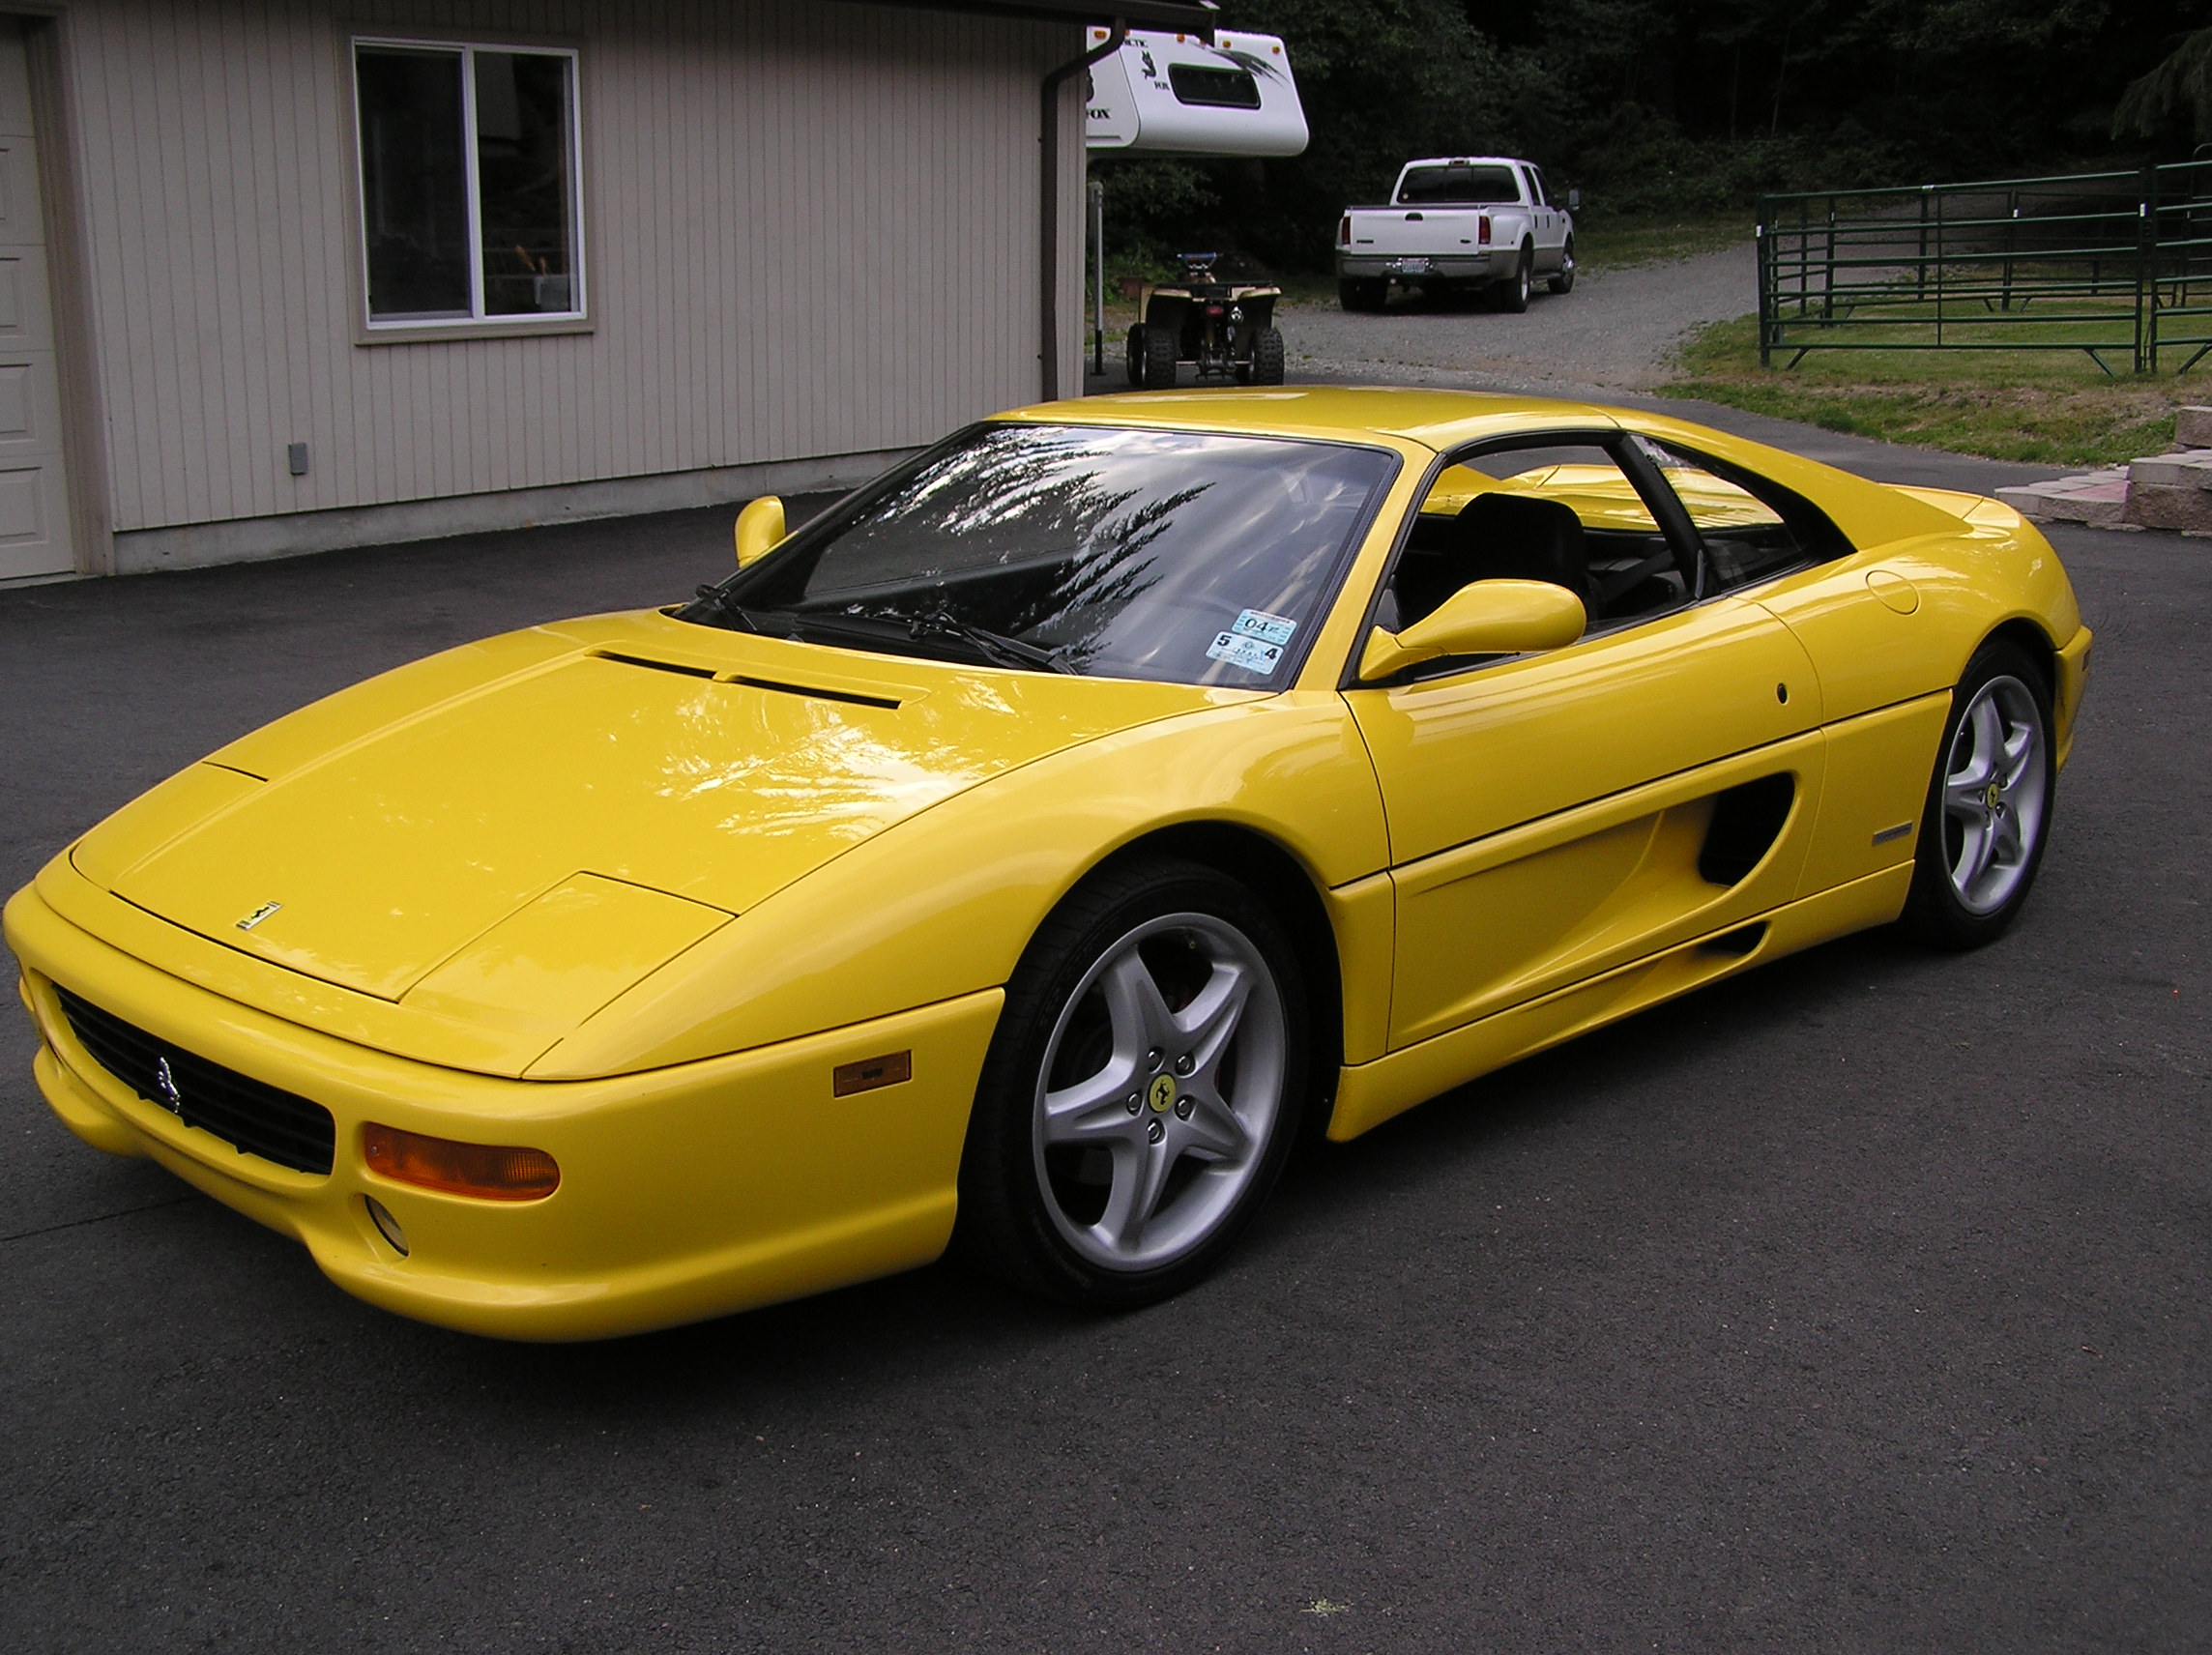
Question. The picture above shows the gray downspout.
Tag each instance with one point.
(1048, 234)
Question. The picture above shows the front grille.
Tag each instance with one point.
(253, 1118)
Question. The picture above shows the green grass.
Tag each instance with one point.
(1622, 242)
(2006, 405)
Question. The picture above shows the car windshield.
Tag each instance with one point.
(1176, 556)
(1460, 186)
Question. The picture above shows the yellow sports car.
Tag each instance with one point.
(1025, 854)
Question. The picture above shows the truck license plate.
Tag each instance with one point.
(1414, 267)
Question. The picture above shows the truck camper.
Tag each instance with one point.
(1174, 94)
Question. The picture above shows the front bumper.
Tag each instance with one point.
(685, 1193)
(1351, 267)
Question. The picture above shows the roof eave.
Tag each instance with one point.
(1178, 15)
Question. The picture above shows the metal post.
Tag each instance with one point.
(2147, 273)
(1920, 285)
(2012, 244)
(1828, 282)
(1764, 245)
(1097, 193)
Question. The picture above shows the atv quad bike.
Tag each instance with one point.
(1227, 328)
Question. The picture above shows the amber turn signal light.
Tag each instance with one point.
(489, 1172)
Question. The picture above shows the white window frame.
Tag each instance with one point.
(477, 321)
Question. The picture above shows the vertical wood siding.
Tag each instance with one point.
(810, 230)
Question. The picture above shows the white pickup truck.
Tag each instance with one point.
(1456, 223)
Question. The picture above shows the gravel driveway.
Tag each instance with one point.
(1615, 332)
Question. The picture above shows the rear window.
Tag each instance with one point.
(1218, 88)
(1459, 187)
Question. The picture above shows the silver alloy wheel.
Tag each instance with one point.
(1995, 785)
(1176, 1117)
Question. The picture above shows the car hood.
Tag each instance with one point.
(525, 828)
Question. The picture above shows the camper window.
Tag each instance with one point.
(1216, 88)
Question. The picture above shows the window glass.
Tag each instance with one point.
(523, 146)
(1560, 513)
(1459, 187)
(1542, 196)
(414, 185)
(1169, 555)
(1218, 88)
(1745, 539)
(444, 242)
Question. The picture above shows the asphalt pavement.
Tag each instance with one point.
(1863, 1303)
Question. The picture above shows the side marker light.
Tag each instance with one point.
(869, 1073)
(489, 1172)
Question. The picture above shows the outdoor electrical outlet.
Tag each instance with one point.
(296, 457)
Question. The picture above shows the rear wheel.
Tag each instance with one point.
(1513, 292)
(1988, 804)
(1160, 359)
(1135, 357)
(1564, 281)
(1142, 1092)
(1362, 294)
(1267, 356)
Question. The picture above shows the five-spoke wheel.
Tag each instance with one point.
(1988, 804)
(1143, 1089)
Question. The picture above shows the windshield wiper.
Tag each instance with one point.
(994, 647)
(738, 614)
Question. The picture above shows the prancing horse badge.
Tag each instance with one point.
(165, 1084)
(258, 915)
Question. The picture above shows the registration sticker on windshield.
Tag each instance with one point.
(1267, 628)
(1249, 653)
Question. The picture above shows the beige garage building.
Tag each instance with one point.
(279, 276)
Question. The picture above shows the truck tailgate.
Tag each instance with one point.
(1393, 231)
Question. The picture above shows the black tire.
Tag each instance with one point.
(1160, 359)
(1513, 292)
(1267, 356)
(1039, 1209)
(1564, 281)
(1364, 294)
(1135, 357)
(1967, 888)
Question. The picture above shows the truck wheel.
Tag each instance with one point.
(1513, 291)
(1267, 356)
(1160, 359)
(1564, 281)
(1135, 357)
(1365, 294)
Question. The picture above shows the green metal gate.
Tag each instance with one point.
(2117, 265)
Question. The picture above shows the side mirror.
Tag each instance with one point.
(760, 527)
(1484, 618)
(1574, 201)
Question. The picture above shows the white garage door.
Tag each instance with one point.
(34, 499)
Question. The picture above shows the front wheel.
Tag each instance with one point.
(1135, 357)
(1142, 1092)
(1988, 804)
(1564, 281)
(1267, 356)
(1160, 358)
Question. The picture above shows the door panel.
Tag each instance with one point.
(1527, 911)
(1467, 758)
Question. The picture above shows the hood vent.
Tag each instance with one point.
(812, 693)
(653, 665)
(817, 694)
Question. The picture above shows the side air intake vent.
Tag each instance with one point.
(1746, 821)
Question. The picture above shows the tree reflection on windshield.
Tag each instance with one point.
(1171, 555)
